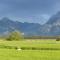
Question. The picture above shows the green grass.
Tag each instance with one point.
(33, 43)
(7, 54)
(13, 54)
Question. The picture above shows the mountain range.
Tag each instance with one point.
(50, 28)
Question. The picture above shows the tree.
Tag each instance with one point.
(15, 35)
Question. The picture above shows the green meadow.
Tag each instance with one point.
(50, 50)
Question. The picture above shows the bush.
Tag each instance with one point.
(15, 35)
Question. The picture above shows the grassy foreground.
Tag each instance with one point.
(7, 54)
(13, 54)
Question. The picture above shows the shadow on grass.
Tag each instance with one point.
(27, 48)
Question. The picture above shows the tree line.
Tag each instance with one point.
(16, 35)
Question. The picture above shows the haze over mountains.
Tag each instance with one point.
(51, 28)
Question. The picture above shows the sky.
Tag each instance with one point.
(33, 11)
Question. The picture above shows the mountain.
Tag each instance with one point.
(51, 28)
(7, 25)
(55, 19)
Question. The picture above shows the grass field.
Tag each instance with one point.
(6, 54)
(13, 54)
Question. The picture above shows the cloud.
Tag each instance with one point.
(26, 8)
(28, 5)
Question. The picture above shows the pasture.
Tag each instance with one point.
(51, 50)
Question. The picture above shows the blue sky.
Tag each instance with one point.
(37, 11)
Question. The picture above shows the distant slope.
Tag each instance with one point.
(51, 28)
(7, 25)
(55, 19)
